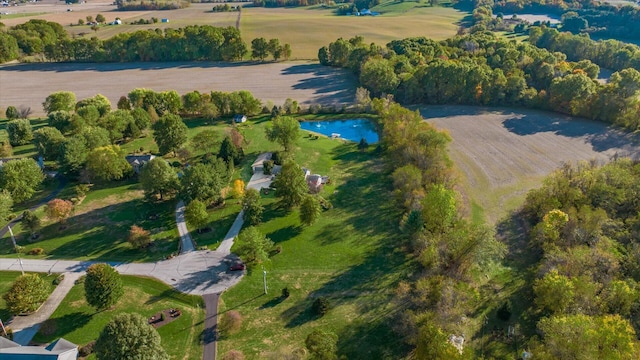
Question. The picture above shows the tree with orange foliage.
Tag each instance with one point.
(238, 189)
(59, 209)
(139, 237)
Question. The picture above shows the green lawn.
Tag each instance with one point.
(351, 256)
(6, 280)
(79, 323)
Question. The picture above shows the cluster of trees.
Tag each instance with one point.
(136, 5)
(610, 54)
(447, 247)
(584, 223)
(483, 69)
(261, 48)
(192, 43)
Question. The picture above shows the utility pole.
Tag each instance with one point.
(15, 247)
(264, 273)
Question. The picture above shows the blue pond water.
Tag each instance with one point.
(353, 129)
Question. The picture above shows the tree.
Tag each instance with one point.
(24, 111)
(205, 141)
(192, 102)
(204, 182)
(378, 75)
(21, 178)
(238, 189)
(26, 294)
(95, 137)
(291, 185)
(59, 101)
(6, 203)
(142, 118)
(9, 49)
(438, 208)
(275, 49)
(30, 221)
(107, 163)
(138, 237)
(286, 51)
(5, 149)
(102, 286)
(170, 133)
(129, 336)
(100, 19)
(196, 215)
(73, 155)
(100, 102)
(19, 132)
(251, 207)
(252, 246)
(157, 177)
(60, 119)
(322, 345)
(59, 209)
(310, 210)
(285, 131)
(116, 123)
(554, 293)
(11, 113)
(259, 48)
(229, 152)
(433, 344)
(47, 141)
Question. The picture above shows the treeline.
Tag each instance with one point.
(584, 225)
(136, 5)
(610, 54)
(448, 248)
(357, 4)
(482, 69)
(191, 43)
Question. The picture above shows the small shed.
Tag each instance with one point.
(164, 20)
(240, 118)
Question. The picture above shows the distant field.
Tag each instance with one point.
(305, 82)
(502, 153)
(306, 29)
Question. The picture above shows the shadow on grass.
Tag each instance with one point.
(273, 211)
(273, 303)
(59, 327)
(284, 234)
(299, 314)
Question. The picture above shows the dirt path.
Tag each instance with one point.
(306, 82)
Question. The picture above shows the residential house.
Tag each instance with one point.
(60, 349)
(138, 161)
(315, 183)
(239, 118)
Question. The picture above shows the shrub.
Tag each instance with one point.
(58, 279)
(86, 350)
(26, 294)
(162, 316)
(268, 166)
(138, 237)
(231, 322)
(36, 251)
(321, 306)
(285, 292)
(233, 355)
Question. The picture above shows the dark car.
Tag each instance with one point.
(236, 267)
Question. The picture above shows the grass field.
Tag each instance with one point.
(6, 280)
(79, 323)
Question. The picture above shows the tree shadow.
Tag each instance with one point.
(273, 210)
(61, 326)
(284, 234)
(272, 303)
(298, 314)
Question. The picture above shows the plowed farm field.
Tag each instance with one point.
(502, 153)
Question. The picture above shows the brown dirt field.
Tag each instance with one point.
(308, 83)
(502, 153)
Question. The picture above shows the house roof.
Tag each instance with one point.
(261, 158)
(139, 159)
(59, 349)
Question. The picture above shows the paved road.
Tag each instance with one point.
(186, 242)
(210, 326)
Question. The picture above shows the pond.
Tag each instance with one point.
(352, 129)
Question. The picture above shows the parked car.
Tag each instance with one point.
(237, 267)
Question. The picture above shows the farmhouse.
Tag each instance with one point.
(60, 349)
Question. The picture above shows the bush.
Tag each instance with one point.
(162, 316)
(26, 294)
(321, 306)
(285, 292)
(86, 350)
(58, 279)
(9, 334)
(139, 238)
(12, 113)
(230, 323)
(36, 251)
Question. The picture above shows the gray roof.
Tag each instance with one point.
(59, 349)
(139, 159)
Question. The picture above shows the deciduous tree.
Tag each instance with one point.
(21, 178)
(285, 131)
(196, 215)
(205, 141)
(252, 207)
(252, 246)
(61, 100)
(129, 336)
(259, 48)
(107, 163)
(6, 203)
(204, 182)
(11, 113)
(138, 237)
(73, 155)
(26, 294)
(102, 286)
(291, 186)
(310, 210)
(170, 133)
(47, 141)
(19, 132)
(157, 177)
(59, 209)
(30, 221)
(322, 345)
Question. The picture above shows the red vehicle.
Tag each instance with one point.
(236, 267)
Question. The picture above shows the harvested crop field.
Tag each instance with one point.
(502, 153)
(308, 83)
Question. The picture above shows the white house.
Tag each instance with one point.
(60, 349)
